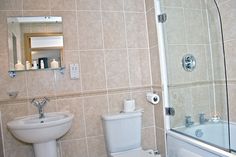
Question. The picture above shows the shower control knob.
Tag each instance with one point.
(189, 62)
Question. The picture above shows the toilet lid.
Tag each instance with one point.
(134, 153)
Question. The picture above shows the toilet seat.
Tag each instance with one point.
(133, 153)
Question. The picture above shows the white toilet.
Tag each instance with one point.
(123, 135)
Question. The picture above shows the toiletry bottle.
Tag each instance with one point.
(54, 64)
(19, 66)
(35, 66)
(41, 64)
(28, 66)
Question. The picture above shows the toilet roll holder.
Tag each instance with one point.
(152, 97)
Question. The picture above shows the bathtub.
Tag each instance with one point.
(207, 140)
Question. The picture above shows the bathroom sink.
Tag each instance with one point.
(43, 132)
(31, 129)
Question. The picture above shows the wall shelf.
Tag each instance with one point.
(12, 73)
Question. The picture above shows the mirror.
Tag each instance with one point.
(35, 43)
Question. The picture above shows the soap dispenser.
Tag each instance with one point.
(54, 64)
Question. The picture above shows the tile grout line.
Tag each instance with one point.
(127, 51)
(104, 57)
(81, 81)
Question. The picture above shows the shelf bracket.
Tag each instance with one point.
(12, 74)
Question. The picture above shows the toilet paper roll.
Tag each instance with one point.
(153, 98)
(129, 105)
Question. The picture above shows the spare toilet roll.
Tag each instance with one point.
(153, 98)
(129, 105)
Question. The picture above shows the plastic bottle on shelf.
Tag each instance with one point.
(41, 64)
(35, 66)
(28, 65)
(54, 64)
(19, 66)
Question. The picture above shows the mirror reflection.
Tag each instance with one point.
(35, 43)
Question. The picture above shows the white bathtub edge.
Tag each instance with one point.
(199, 144)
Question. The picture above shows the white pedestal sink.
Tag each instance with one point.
(42, 133)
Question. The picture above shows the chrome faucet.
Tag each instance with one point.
(202, 118)
(40, 103)
(188, 121)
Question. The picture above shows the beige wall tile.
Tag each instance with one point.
(40, 83)
(94, 108)
(41, 5)
(74, 148)
(214, 25)
(194, 27)
(114, 30)
(93, 70)
(112, 5)
(70, 32)
(174, 28)
(202, 71)
(161, 141)
(149, 4)
(136, 30)
(228, 10)
(88, 4)
(116, 102)
(74, 106)
(63, 4)
(26, 151)
(230, 59)
(141, 102)
(11, 4)
(36, 12)
(171, 3)
(17, 84)
(218, 62)
(63, 83)
(148, 138)
(193, 4)
(134, 5)
(155, 66)
(221, 101)
(97, 147)
(159, 114)
(232, 97)
(139, 67)
(90, 30)
(151, 24)
(117, 69)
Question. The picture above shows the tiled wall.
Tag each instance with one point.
(109, 40)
